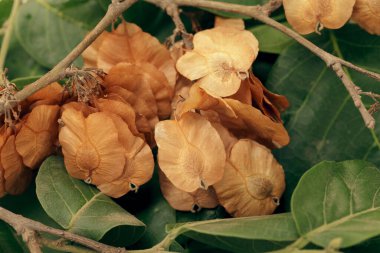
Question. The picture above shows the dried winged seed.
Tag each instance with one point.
(122, 109)
(90, 55)
(199, 99)
(227, 137)
(128, 43)
(185, 201)
(91, 147)
(366, 14)
(235, 23)
(147, 80)
(146, 117)
(252, 181)
(138, 167)
(52, 94)
(117, 77)
(305, 15)
(16, 176)
(37, 136)
(84, 108)
(190, 152)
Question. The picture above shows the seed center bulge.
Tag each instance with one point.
(259, 187)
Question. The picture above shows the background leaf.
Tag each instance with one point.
(250, 234)
(5, 9)
(322, 121)
(9, 241)
(338, 200)
(270, 39)
(57, 27)
(81, 208)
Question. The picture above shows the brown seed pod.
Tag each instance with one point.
(84, 108)
(91, 148)
(187, 201)
(367, 14)
(220, 60)
(53, 94)
(190, 152)
(138, 167)
(128, 43)
(36, 138)
(253, 181)
(307, 16)
(243, 120)
(146, 82)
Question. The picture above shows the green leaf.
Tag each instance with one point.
(338, 200)
(250, 234)
(81, 208)
(270, 39)
(5, 10)
(9, 241)
(49, 29)
(322, 121)
(241, 2)
(23, 81)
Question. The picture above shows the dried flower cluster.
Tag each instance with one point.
(309, 16)
(214, 123)
(214, 150)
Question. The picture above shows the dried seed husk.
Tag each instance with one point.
(146, 82)
(84, 108)
(253, 181)
(128, 43)
(220, 60)
(243, 120)
(306, 16)
(236, 23)
(15, 175)
(139, 163)
(53, 94)
(227, 137)
(91, 148)
(367, 14)
(36, 138)
(187, 201)
(122, 109)
(190, 152)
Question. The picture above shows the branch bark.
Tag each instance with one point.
(24, 225)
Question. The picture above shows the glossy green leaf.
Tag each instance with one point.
(81, 208)
(250, 234)
(5, 9)
(23, 81)
(57, 27)
(338, 200)
(322, 120)
(270, 39)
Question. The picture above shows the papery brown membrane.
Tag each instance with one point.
(253, 181)
(187, 201)
(122, 109)
(53, 94)
(84, 108)
(307, 16)
(227, 137)
(190, 152)
(146, 82)
(367, 14)
(128, 43)
(146, 117)
(220, 60)
(236, 23)
(138, 167)
(243, 120)
(91, 148)
(36, 138)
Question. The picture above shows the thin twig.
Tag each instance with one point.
(30, 238)
(20, 224)
(271, 6)
(174, 12)
(60, 246)
(115, 9)
(8, 34)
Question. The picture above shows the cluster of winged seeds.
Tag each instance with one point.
(308, 16)
(212, 120)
